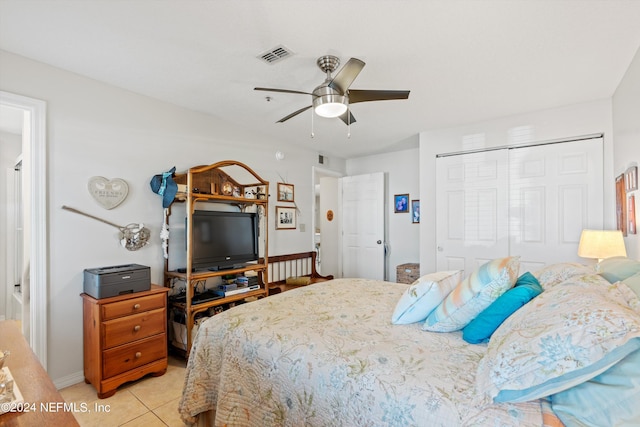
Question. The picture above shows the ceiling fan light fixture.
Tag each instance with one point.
(330, 106)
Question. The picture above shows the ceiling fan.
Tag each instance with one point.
(333, 97)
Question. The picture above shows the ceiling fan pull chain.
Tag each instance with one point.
(312, 134)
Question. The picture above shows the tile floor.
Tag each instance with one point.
(148, 402)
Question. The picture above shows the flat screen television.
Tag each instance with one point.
(222, 240)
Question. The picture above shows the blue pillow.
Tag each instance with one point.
(484, 325)
(610, 399)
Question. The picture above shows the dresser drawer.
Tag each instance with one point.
(130, 356)
(130, 328)
(133, 306)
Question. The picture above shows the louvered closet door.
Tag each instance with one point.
(472, 207)
(556, 191)
(533, 202)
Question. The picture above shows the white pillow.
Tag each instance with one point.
(424, 295)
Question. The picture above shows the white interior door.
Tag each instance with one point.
(556, 191)
(363, 226)
(472, 209)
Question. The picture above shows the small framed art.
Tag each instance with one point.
(415, 211)
(631, 179)
(285, 218)
(401, 203)
(632, 214)
(285, 192)
(621, 205)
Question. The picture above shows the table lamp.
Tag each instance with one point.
(601, 244)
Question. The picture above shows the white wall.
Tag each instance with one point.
(401, 176)
(626, 131)
(575, 120)
(98, 130)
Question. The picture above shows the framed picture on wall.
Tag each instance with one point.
(621, 205)
(285, 192)
(401, 203)
(631, 179)
(632, 214)
(285, 218)
(415, 211)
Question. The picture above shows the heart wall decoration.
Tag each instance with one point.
(109, 193)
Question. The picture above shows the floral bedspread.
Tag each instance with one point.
(328, 355)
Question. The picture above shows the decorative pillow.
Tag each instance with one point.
(298, 281)
(633, 283)
(616, 390)
(553, 274)
(567, 335)
(473, 294)
(482, 327)
(424, 295)
(618, 268)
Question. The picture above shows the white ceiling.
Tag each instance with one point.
(464, 61)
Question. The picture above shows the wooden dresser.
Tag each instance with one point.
(125, 338)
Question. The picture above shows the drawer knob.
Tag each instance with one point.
(136, 306)
(136, 328)
(138, 355)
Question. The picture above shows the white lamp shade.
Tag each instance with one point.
(601, 244)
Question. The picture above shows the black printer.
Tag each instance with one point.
(104, 282)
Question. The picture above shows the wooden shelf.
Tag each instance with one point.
(227, 182)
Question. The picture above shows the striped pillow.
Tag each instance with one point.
(473, 295)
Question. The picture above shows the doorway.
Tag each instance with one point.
(34, 189)
(326, 232)
(349, 224)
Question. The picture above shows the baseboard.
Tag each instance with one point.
(69, 380)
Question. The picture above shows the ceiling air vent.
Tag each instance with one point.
(276, 54)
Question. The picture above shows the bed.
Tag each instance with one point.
(329, 354)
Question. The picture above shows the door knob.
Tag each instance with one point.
(379, 242)
(440, 249)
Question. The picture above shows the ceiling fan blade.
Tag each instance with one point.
(295, 113)
(376, 95)
(347, 75)
(268, 89)
(347, 121)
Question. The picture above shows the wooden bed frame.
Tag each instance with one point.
(298, 265)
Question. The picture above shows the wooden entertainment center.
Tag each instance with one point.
(228, 185)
